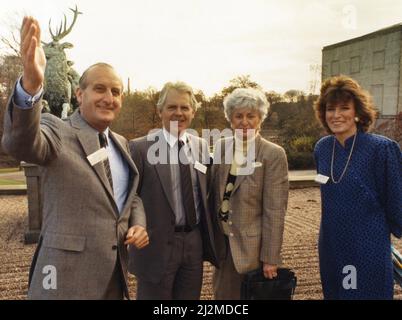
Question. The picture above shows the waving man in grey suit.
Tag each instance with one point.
(90, 207)
(173, 188)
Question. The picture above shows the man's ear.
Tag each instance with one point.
(78, 94)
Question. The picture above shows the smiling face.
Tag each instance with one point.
(177, 108)
(340, 118)
(100, 102)
(244, 119)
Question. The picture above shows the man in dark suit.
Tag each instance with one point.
(173, 187)
(90, 208)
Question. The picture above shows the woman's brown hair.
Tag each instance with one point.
(344, 89)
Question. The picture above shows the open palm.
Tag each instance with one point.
(33, 56)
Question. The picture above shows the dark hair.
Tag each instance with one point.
(344, 89)
(83, 83)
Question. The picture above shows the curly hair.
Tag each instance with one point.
(246, 97)
(344, 89)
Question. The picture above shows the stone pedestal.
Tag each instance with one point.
(34, 202)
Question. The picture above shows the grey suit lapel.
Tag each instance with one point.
(88, 138)
(164, 173)
(123, 151)
(239, 180)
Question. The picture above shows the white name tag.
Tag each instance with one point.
(257, 164)
(321, 179)
(200, 167)
(97, 156)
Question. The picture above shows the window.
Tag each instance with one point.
(334, 68)
(379, 60)
(378, 96)
(355, 64)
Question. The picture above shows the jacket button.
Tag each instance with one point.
(230, 223)
(114, 247)
(232, 235)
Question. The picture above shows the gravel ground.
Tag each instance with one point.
(299, 248)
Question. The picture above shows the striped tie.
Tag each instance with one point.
(187, 191)
(103, 143)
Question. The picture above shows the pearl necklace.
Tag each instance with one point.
(347, 163)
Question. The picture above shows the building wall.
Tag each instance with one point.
(375, 63)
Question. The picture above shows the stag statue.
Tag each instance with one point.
(61, 79)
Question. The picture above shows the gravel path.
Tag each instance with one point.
(299, 248)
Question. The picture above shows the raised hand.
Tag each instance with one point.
(33, 56)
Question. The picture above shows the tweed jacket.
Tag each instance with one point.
(257, 205)
(82, 230)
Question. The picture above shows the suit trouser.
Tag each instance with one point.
(183, 276)
(226, 280)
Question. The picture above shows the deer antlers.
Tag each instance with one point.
(62, 32)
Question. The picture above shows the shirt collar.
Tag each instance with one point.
(172, 140)
(241, 144)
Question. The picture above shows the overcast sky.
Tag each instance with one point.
(207, 42)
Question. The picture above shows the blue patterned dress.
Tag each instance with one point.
(358, 215)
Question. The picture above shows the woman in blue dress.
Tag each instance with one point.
(361, 193)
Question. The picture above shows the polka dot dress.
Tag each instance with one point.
(358, 215)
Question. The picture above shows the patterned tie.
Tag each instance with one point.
(187, 191)
(103, 143)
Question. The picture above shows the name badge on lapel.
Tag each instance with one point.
(257, 164)
(321, 179)
(200, 167)
(97, 156)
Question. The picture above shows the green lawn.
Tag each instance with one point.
(8, 170)
(6, 182)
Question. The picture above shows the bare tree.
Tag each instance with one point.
(11, 41)
(293, 95)
(315, 76)
(10, 70)
(242, 81)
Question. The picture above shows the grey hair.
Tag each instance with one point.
(181, 87)
(246, 98)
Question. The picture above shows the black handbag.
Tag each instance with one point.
(256, 287)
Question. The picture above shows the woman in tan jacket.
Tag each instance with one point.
(249, 195)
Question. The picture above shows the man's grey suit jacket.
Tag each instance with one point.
(82, 230)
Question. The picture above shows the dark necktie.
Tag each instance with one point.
(103, 143)
(187, 191)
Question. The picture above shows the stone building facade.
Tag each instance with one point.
(375, 61)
